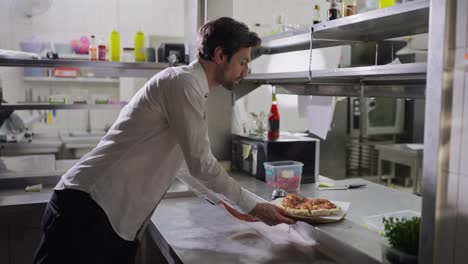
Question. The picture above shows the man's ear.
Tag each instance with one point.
(218, 56)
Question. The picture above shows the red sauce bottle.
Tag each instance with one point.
(273, 118)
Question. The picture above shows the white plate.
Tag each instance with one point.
(343, 206)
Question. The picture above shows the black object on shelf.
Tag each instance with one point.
(168, 51)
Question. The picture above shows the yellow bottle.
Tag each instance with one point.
(277, 26)
(139, 46)
(114, 46)
(386, 3)
(50, 117)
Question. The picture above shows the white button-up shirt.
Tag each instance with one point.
(134, 164)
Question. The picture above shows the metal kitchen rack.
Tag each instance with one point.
(101, 68)
(71, 80)
(397, 80)
(46, 106)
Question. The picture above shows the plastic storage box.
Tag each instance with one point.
(375, 222)
(284, 174)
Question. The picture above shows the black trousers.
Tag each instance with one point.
(76, 230)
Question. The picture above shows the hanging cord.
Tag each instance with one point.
(362, 101)
(310, 55)
(117, 14)
(362, 120)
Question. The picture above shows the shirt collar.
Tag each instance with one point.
(200, 74)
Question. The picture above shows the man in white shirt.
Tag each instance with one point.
(101, 204)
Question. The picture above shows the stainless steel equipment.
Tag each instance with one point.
(278, 193)
(13, 128)
(376, 116)
(171, 53)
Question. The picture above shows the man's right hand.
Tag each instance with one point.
(271, 214)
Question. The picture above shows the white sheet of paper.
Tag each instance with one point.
(303, 101)
(415, 146)
(344, 206)
(319, 113)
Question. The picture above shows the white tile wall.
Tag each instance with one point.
(5, 19)
(265, 11)
(219, 8)
(69, 19)
(11, 29)
(155, 17)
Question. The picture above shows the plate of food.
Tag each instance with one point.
(313, 210)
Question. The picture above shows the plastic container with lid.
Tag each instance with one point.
(128, 55)
(375, 222)
(284, 174)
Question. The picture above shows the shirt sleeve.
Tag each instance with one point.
(199, 189)
(185, 110)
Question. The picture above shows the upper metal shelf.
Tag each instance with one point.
(69, 80)
(381, 74)
(103, 68)
(45, 106)
(294, 40)
(406, 19)
(410, 18)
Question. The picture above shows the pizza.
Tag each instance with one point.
(309, 207)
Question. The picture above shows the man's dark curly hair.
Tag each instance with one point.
(226, 33)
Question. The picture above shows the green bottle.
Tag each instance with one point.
(114, 46)
(139, 46)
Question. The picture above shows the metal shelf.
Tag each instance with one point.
(396, 80)
(380, 74)
(31, 174)
(71, 80)
(81, 64)
(410, 18)
(45, 106)
(294, 40)
(103, 68)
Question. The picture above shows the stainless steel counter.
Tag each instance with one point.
(188, 222)
(15, 197)
(18, 196)
(348, 238)
(199, 231)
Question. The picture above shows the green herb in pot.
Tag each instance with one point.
(403, 234)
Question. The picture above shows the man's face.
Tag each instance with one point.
(231, 72)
